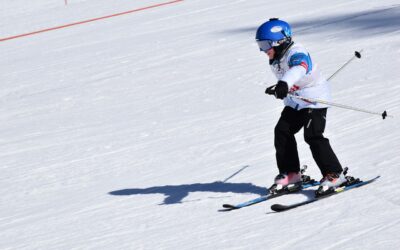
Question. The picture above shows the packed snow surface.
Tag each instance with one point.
(131, 132)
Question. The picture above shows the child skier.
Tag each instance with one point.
(298, 75)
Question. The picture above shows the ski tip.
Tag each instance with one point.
(371, 180)
(278, 207)
(377, 177)
(229, 206)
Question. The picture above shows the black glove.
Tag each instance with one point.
(279, 90)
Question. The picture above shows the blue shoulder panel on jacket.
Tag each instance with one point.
(302, 60)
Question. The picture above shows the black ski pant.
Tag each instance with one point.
(313, 121)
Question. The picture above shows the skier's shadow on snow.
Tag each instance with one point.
(176, 193)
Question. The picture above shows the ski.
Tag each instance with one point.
(229, 207)
(281, 208)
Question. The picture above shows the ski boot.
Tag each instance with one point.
(332, 181)
(290, 182)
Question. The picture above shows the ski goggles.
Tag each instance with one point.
(266, 45)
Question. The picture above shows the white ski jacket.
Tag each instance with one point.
(303, 78)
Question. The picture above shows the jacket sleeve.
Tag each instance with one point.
(293, 75)
(299, 65)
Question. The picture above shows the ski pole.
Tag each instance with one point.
(237, 172)
(356, 55)
(308, 99)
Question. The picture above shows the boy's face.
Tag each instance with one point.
(270, 53)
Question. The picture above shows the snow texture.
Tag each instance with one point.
(131, 132)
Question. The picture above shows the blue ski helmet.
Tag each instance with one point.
(270, 33)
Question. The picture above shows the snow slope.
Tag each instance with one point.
(130, 132)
